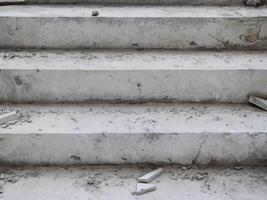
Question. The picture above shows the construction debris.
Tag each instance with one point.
(6, 117)
(253, 2)
(9, 2)
(150, 176)
(238, 168)
(262, 103)
(142, 188)
(95, 13)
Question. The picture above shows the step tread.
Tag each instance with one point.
(131, 60)
(132, 11)
(137, 118)
(118, 182)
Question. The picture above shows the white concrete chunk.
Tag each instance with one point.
(150, 176)
(142, 188)
(262, 103)
(11, 116)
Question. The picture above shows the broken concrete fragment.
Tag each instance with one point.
(253, 2)
(11, 116)
(8, 2)
(262, 103)
(238, 168)
(142, 188)
(95, 13)
(150, 176)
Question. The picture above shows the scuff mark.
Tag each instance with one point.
(251, 37)
(226, 44)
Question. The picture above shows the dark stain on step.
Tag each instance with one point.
(75, 158)
(18, 80)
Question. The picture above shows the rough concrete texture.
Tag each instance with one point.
(146, 133)
(147, 2)
(160, 27)
(80, 76)
(117, 182)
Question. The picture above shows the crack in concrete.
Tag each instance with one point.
(194, 160)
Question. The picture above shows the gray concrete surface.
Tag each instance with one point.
(157, 27)
(117, 75)
(146, 2)
(117, 182)
(122, 133)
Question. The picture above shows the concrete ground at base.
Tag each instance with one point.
(118, 182)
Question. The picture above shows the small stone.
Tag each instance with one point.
(95, 13)
(238, 168)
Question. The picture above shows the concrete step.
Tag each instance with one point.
(118, 182)
(122, 75)
(153, 2)
(157, 27)
(69, 134)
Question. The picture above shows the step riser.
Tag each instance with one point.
(155, 33)
(204, 149)
(136, 85)
(146, 2)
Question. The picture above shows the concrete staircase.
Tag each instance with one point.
(152, 81)
(62, 54)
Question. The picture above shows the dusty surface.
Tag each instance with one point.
(130, 11)
(146, 2)
(135, 27)
(135, 133)
(86, 75)
(162, 60)
(97, 118)
(117, 182)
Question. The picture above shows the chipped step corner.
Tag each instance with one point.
(258, 101)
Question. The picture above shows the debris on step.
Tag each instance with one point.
(253, 2)
(10, 2)
(95, 13)
(262, 103)
(6, 117)
(142, 188)
(238, 168)
(150, 176)
(186, 167)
